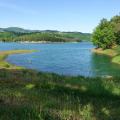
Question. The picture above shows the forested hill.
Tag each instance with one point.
(15, 34)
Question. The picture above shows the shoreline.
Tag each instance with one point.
(10, 52)
(110, 52)
(4, 54)
(43, 42)
(40, 42)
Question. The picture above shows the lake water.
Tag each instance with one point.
(65, 58)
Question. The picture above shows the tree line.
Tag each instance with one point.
(21, 37)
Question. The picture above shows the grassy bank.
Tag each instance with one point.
(30, 95)
(114, 52)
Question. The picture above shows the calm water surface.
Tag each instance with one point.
(66, 58)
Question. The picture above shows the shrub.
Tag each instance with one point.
(6, 65)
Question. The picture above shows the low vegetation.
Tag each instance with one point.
(30, 95)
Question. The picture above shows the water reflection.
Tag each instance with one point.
(102, 65)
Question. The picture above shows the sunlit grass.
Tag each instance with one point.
(116, 59)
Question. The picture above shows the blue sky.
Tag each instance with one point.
(62, 15)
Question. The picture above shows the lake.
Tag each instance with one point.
(63, 58)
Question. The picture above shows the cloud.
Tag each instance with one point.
(18, 8)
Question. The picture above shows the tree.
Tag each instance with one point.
(103, 35)
(115, 21)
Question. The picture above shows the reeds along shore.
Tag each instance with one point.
(30, 95)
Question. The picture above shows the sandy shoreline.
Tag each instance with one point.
(40, 42)
(109, 52)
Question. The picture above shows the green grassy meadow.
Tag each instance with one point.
(30, 95)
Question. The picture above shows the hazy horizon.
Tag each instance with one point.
(40, 30)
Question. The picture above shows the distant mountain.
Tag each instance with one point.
(17, 30)
(21, 30)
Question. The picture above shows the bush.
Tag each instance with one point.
(6, 65)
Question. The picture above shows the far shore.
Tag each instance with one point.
(40, 42)
(43, 42)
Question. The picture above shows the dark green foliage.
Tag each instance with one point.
(115, 21)
(107, 33)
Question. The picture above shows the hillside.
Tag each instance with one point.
(15, 34)
(77, 36)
